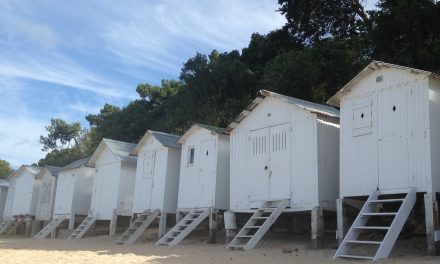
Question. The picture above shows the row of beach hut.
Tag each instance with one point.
(380, 153)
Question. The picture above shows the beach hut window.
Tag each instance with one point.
(190, 155)
(362, 117)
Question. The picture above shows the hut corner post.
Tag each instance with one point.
(113, 223)
(431, 215)
(213, 226)
(317, 217)
(72, 221)
(340, 220)
(162, 224)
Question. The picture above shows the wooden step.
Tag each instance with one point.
(380, 214)
(356, 257)
(372, 227)
(364, 242)
(386, 201)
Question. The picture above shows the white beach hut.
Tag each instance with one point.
(157, 183)
(21, 200)
(4, 185)
(113, 185)
(284, 158)
(390, 122)
(46, 196)
(72, 197)
(204, 181)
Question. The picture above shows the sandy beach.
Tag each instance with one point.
(102, 249)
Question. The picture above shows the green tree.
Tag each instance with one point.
(5, 169)
(407, 32)
(311, 21)
(60, 135)
(64, 143)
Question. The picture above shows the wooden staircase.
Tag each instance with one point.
(142, 222)
(49, 228)
(258, 225)
(391, 232)
(82, 229)
(184, 227)
(9, 226)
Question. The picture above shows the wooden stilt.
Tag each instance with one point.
(430, 224)
(113, 223)
(213, 226)
(317, 222)
(340, 220)
(162, 224)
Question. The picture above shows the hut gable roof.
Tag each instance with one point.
(75, 164)
(195, 127)
(305, 105)
(369, 69)
(120, 150)
(34, 170)
(53, 170)
(165, 139)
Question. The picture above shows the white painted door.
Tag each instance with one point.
(393, 139)
(147, 178)
(64, 195)
(257, 165)
(206, 175)
(279, 168)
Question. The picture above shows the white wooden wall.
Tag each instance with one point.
(360, 152)
(196, 188)
(303, 160)
(434, 125)
(126, 188)
(46, 197)
(74, 191)
(22, 195)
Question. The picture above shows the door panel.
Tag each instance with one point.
(393, 139)
(206, 175)
(257, 167)
(279, 175)
(64, 199)
(147, 179)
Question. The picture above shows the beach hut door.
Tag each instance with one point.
(147, 176)
(279, 174)
(207, 171)
(393, 139)
(257, 165)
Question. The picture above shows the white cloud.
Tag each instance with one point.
(19, 139)
(101, 50)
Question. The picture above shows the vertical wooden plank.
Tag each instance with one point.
(162, 224)
(340, 220)
(429, 219)
(317, 223)
(213, 226)
(113, 223)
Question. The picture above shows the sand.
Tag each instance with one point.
(102, 249)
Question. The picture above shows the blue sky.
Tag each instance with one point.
(67, 58)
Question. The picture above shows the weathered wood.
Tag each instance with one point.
(317, 230)
(162, 224)
(113, 223)
(340, 220)
(429, 220)
(213, 226)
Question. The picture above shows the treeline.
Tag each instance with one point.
(322, 46)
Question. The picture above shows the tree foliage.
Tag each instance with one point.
(5, 169)
(321, 47)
